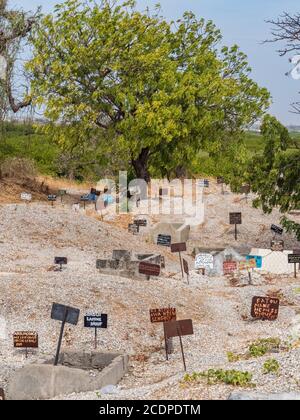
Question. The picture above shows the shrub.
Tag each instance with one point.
(271, 366)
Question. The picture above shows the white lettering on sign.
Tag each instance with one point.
(26, 197)
(204, 261)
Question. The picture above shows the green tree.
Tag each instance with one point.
(161, 91)
(275, 175)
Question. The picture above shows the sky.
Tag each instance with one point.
(242, 23)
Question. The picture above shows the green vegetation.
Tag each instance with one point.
(271, 366)
(228, 377)
(259, 348)
(21, 141)
(266, 345)
(154, 93)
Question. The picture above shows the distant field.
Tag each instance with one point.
(255, 142)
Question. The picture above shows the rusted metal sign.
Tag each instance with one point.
(265, 308)
(26, 339)
(179, 328)
(162, 315)
(149, 269)
(180, 247)
(2, 394)
(277, 246)
(186, 267)
(235, 218)
(229, 267)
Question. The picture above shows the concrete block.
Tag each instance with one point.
(45, 381)
(179, 232)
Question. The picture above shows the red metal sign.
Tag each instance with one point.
(162, 315)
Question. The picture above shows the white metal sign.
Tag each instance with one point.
(26, 197)
(204, 261)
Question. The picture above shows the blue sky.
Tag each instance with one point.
(243, 23)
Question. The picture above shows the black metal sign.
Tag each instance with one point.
(95, 321)
(65, 314)
(60, 261)
(277, 229)
(235, 219)
(164, 240)
(294, 259)
(140, 222)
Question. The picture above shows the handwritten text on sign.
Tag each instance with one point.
(26, 339)
(229, 267)
(204, 261)
(163, 315)
(265, 308)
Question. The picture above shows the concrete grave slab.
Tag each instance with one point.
(45, 381)
(179, 232)
(274, 262)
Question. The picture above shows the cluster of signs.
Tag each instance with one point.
(172, 327)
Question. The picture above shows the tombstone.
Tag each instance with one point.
(26, 340)
(265, 308)
(235, 219)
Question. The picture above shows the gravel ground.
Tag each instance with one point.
(30, 237)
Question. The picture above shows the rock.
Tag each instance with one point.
(244, 396)
(109, 389)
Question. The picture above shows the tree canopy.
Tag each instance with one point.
(163, 91)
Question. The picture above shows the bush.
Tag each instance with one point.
(228, 377)
(271, 366)
(18, 168)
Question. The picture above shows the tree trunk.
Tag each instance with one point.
(140, 165)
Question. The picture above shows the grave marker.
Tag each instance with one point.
(149, 269)
(179, 247)
(133, 228)
(277, 230)
(95, 321)
(163, 315)
(235, 219)
(179, 329)
(204, 261)
(52, 198)
(186, 269)
(65, 314)
(297, 251)
(277, 246)
(203, 183)
(60, 261)
(294, 259)
(26, 340)
(247, 265)
(85, 199)
(2, 394)
(257, 258)
(164, 240)
(27, 197)
(62, 193)
(221, 181)
(140, 222)
(229, 267)
(265, 308)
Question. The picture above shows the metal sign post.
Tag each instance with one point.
(179, 329)
(235, 219)
(294, 259)
(186, 270)
(65, 314)
(164, 315)
(180, 247)
(95, 321)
